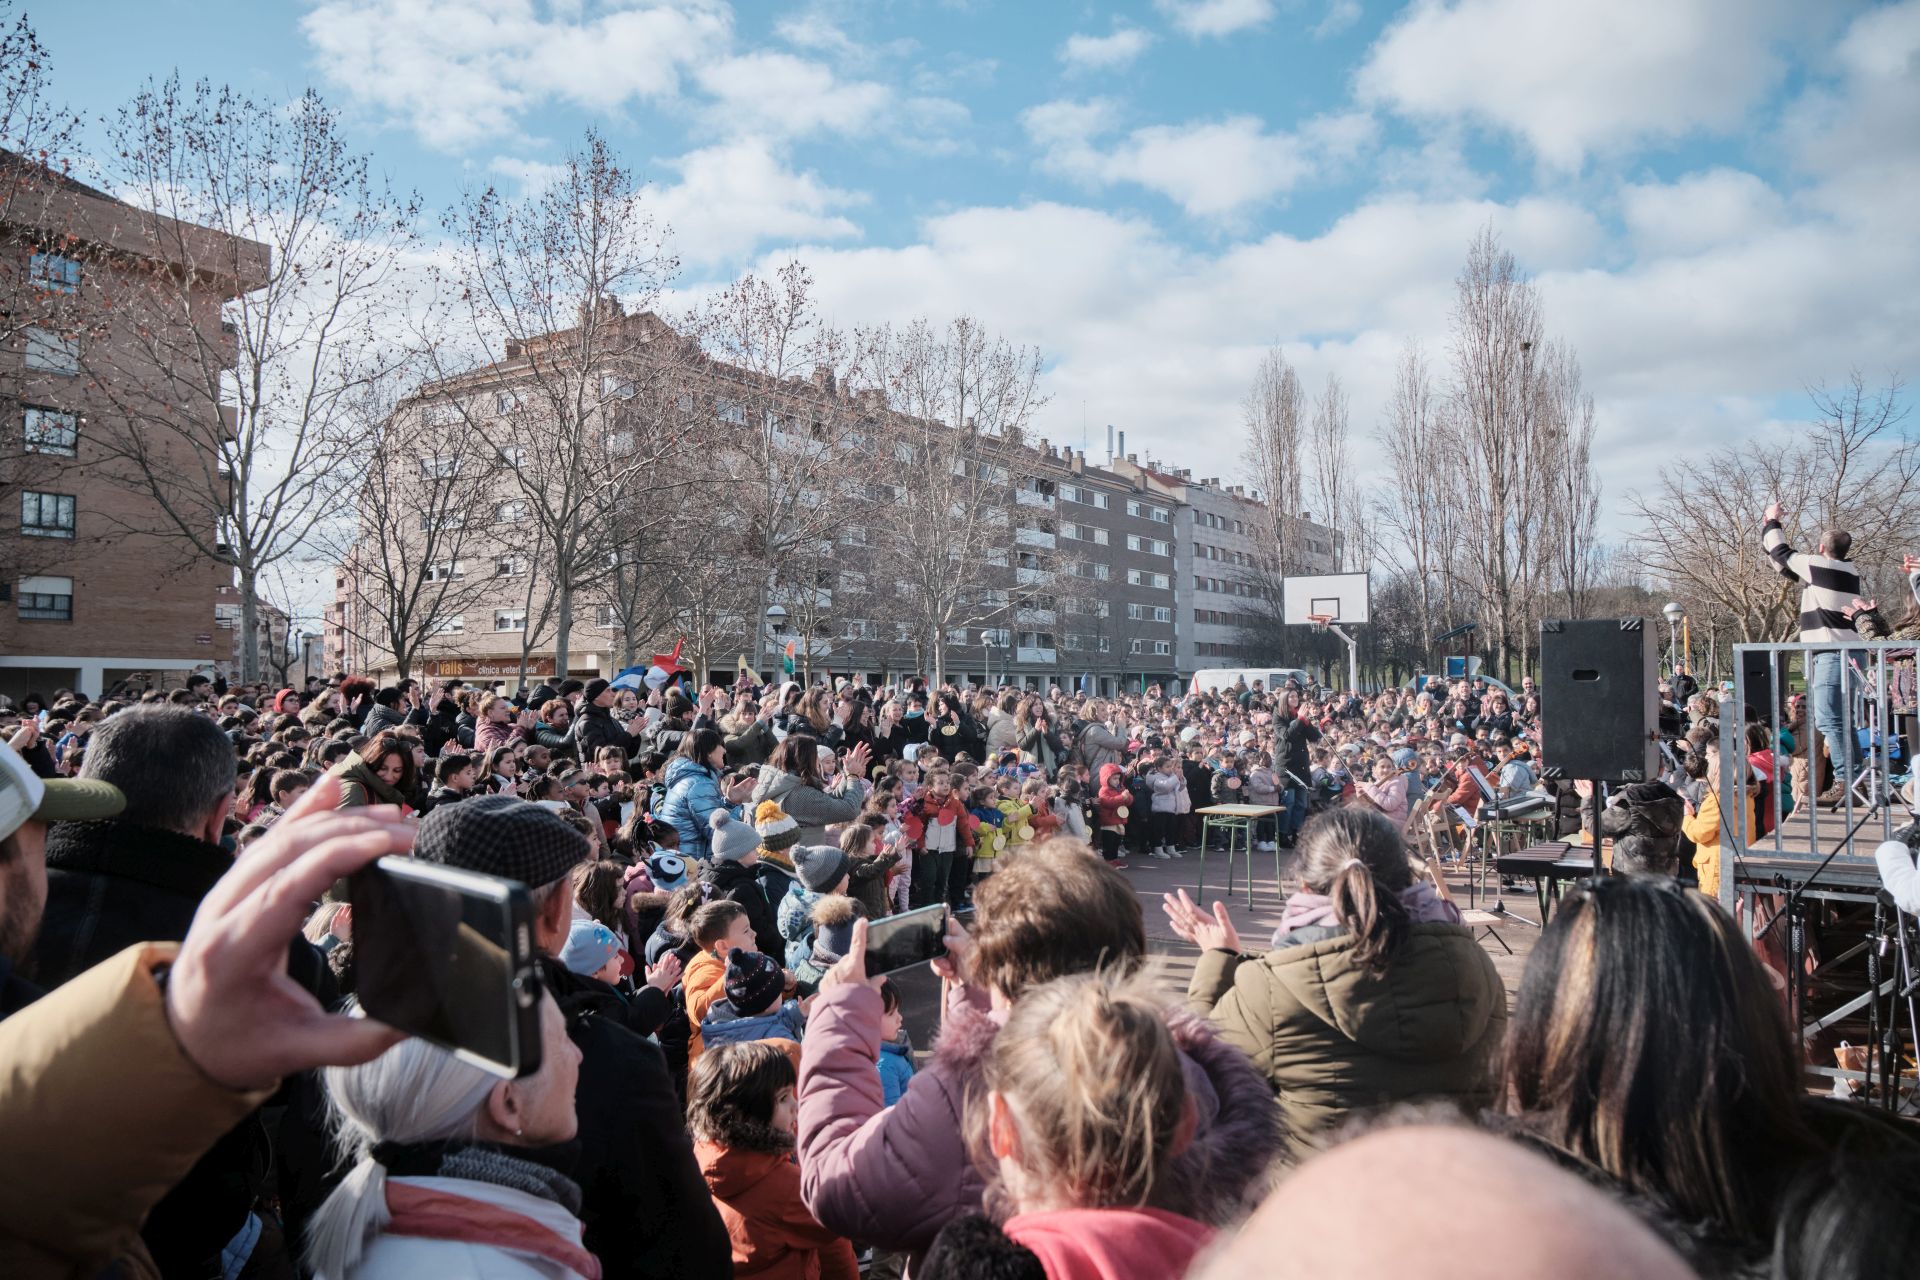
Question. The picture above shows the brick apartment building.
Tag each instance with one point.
(86, 597)
(1104, 581)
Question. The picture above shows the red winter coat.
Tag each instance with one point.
(774, 1237)
(920, 812)
(1111, 799)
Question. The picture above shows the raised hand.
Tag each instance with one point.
(1208, 932)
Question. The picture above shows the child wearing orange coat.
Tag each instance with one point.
(741, 1108)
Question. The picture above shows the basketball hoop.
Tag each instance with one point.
(1320, 621)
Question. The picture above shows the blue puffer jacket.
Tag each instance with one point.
(693, 793)
(795, 918)
(723, 1026)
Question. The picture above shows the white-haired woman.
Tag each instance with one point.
(436, 1187)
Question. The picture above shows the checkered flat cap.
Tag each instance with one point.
(501, 836)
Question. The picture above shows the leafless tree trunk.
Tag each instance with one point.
(552, 292)
(1496, 324)
(1276, 422)
(962, 399)
(233, 415)
(1332, 468)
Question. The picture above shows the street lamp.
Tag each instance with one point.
(776, 615)
(1674, 613)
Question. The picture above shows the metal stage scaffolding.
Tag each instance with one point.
(1807, 891)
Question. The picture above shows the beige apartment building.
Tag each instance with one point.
(1096, 577)
(88, 596)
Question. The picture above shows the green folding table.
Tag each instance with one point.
(1237, 820)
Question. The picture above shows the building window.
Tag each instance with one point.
(46, 599)
(509, 567)
(1136, 646)
(1161, 613)
(619, 442)
(506, 401)
(513, 455)
(853, 535)
(998, 637)
(51, 431)
(615, 387)
(46, 515)
(226, 616)
(957, 636)
(1162, 647)
(439, 468)
(1161, 581)
(446, 571)
(430, 523)
(1135, 578)
(54, 273)
(50, 352)
(510, 512)
(509, 619)
(603, 618)
(1105, 645)
(730, 411)
(451, 625)
(1135, 612)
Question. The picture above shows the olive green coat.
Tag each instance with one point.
(1334, 1040)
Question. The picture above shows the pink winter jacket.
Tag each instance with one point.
(893, 1176)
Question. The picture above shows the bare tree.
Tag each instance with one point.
(1276, 422)
(419, 556)
(1564, 446)
(1495, 324)
(553, 292)
(962, 399)
(1851, 468)
(1332, 468)
(1420, 509)
(230, 380)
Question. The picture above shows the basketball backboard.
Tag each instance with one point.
(1343, 597)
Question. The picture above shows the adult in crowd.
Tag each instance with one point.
(117, 1083)
(1095, 742)
(594, 727)
(1829, 586)
(1373, 993)
(439, 1182)
(1296, 741)
(139, 877)
(388, 711)
(498, 725)
(894, 1176)
(694, 793)
(645, 1206)
(1649, 1052)
(792, 779)
(748, 732)
(382, 772)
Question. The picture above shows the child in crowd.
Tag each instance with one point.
(1113, 804)
(753, 1008)
(719, 928)
(1086, 1107)
(592, 952)
(896, 1050)
(744, 1118)
(453, 778)
(1016, 816)
(833, 917)
(868, 867)
(1037, 795)
(1165, 785)
(936, 822)
(819, 869)
(989, 839)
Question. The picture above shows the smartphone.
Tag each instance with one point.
(447, 955)
(902, 941)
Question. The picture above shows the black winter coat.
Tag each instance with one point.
(643, 1199)
(596, 728)
(111, 885)
(743, 885)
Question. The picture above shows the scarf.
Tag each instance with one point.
(1315, 910)
(778, 858)
(433, 1214)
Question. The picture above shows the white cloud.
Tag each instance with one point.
(1215, 17)
(734, 197)
(1212, 169)
(1099, 53)
(1340, 15)
(779, 94)
(1700, 211)
(1577, 77)
(459, 72)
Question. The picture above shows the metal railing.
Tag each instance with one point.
(1870, 809)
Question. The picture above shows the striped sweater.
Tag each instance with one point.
(1831, 586)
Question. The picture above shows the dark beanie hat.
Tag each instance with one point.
(754, 982)
(819, 866)
(595, 687)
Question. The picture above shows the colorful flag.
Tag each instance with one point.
(786, 664)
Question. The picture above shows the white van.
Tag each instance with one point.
(1220, 679)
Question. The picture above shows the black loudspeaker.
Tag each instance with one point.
(1756, 676)
(1599, 699)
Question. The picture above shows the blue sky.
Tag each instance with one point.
(1716, 196)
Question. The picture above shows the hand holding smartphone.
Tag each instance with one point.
(447, 955)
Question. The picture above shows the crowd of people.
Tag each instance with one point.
(723, 1089)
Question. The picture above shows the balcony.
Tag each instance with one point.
(1035, 617)
(1028, 498)
(1042, 657)
(1031, 577)
(1038, 538)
